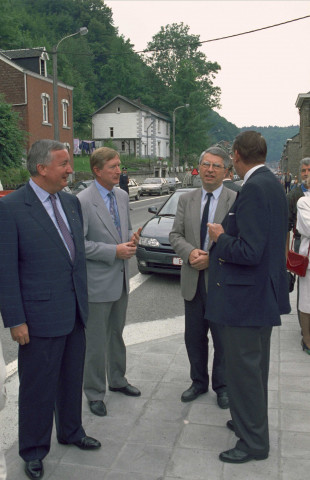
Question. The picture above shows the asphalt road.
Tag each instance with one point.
(152, 297)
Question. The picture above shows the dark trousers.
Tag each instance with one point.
(196, 341)
(247, 351)
(51, 375)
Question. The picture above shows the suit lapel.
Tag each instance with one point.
(102, 212)
(195, 207)
(41, 216)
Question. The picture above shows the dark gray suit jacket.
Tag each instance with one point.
(39, 284)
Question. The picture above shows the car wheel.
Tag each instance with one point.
(160, 192)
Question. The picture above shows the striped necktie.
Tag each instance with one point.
(114, 214)
(63, 228)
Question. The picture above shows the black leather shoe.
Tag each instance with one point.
(230, 425)
(192, 393)
(223, 400)
(34, 469)
(85, 443)
(238, 456)
(97, 407)
(129, 390)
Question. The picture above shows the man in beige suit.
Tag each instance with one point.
(190, 240)
(109, 244)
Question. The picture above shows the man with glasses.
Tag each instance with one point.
(189, 238)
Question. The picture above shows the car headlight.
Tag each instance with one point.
(148, 242)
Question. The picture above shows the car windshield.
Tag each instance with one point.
(170, 207)
(152, 180)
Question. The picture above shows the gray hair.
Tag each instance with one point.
(40, 154)
(304, 161)
(219, 152)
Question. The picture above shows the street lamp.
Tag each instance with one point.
(173, 133)
(82, 31)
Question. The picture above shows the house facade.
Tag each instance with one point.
(25, 84)
(134, 128)
(298, 147)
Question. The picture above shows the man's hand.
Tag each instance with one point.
(126, 250)
(199, 259)
(20, 334)
(215, 230)
(135, 237)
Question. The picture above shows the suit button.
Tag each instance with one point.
(218, 284)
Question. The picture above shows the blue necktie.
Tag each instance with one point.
(204, 221)
(114, 214)
(63, 228)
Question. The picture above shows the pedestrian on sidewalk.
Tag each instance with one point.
(303, 226)
(109, 243)
(248, 291)
(190, 240)
(43, 300)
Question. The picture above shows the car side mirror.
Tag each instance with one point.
(152, 210)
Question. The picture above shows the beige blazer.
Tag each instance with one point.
(105, 272)
(185, 233)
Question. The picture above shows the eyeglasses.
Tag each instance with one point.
(216, 166)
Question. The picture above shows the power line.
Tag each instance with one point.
(198, 43)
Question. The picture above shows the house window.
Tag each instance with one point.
(123, 146)
(65, 105)
(111, 132)
(45, 101)
(158, 149)
(118, 110)
(167, 128)
(145, 149)
(158, 126)
(42, 67)
(167, 149)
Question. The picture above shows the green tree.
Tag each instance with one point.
(188, 76)
(12, 138)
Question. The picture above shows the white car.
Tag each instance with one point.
(133, 188)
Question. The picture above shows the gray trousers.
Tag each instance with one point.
(105, 347)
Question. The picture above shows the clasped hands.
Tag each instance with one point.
(125, 251)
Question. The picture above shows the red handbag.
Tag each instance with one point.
(297, 263)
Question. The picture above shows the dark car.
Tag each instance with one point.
(154, 252)
(174, 183)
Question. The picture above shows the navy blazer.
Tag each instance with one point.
(247, 273)
(39, 284)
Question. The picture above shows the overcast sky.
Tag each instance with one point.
(261, 73)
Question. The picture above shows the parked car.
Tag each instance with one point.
(154, 252)
(174, 183)
(79, 186)
(156, 186)
(134, 189)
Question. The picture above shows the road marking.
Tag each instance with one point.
(137, 280)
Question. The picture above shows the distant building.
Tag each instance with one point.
(298, 147)
(134, 128)
(26, 85)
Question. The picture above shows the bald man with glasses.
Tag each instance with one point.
(190, 240)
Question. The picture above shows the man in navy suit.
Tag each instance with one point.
(248, 291)
(43, 300)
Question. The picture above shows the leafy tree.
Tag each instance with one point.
(12, 138)
(176, 61)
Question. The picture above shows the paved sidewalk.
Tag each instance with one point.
(157, 437)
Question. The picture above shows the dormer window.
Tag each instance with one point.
(42, 67)
(118, 110)
(65, 106)
(45, 101)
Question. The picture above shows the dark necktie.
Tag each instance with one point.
(114, 214)
(63, 228)
(204, 221)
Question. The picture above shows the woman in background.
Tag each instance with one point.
(303, 226)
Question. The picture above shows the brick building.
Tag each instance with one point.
(26, 85)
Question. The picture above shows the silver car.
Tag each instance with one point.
(155, 186)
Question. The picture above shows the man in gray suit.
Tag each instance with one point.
(109, 244)
(190, 240)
